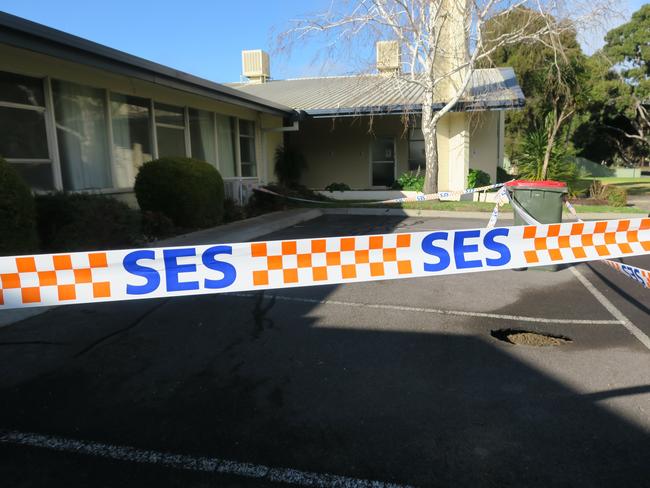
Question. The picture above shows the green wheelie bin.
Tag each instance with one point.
(543, 200)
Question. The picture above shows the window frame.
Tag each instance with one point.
(373, 162)
(53, 147)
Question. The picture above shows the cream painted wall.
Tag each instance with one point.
(485, 151)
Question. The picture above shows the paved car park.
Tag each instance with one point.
(396, 381)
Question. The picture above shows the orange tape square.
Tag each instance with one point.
(290, 275)
(576, 229)
(529, 232)
(553, 230)
(260, 278)
(333, 258)
(26, 265)
(289, 247)
(376, 242)
(47, 278)
(97, 260)
(555, 254)
(579, 253)
(645, 245)
(645, 224)
(304, 260)
(2, 298)
(319, 273)
(83, 275)
(587, 239)
(274, 262)
(377, 269)
(318, 245)
(403, 240)
(390, 254)
(623, 225)
(531, 257)
(67, 292)
(404, 267)
(632, 236)
(10, 280)
(349, 271)
(102, 290)
(258, 249)
(31, 294)
(62, 262)
(564, 242)
(540, 243)
(625, 248)
(610, 238)
(600, 227)
(361, 257)
(602, 251)
(347, 244)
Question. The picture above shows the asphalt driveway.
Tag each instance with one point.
(398, 381)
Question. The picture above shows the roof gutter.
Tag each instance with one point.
(24, 34)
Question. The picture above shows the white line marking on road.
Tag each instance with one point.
(611, 308)
(403, 308)
(191, 463)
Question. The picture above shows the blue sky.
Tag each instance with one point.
(200, 37)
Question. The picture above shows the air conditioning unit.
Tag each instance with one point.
(389, 59)
(240, 191)
(256, 65)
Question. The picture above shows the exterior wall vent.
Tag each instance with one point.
(256, 65)
(389, 59)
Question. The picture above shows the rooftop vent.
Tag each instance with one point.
(388, 57)
(256, 66)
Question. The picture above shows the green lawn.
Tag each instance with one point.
(633, 186)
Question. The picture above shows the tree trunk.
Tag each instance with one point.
(430, 133)
(549, 145)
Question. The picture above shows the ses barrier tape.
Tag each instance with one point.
(418, 198)
(641, 276)
(89, 277)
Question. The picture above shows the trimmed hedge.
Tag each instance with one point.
(188, 191)
(17, 213)
(85, 222)
(477, 178)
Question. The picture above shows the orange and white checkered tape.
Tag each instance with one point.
(87, 277)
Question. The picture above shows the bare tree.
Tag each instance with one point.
(443, 42)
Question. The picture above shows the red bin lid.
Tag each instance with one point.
(537, 184)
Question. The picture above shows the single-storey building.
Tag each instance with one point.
(79, 116)
(364, 130)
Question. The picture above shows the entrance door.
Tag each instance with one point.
(382, 154)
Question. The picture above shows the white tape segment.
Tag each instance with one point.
(86, 277)
(418, 198)
(640, 276)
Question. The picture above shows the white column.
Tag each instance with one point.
(458, 151)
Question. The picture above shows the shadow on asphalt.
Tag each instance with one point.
(251, 379)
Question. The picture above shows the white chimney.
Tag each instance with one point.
(389, 59)
(256, 65)
(453, 49)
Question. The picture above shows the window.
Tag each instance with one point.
(417, 156)
(82, 135)
(226, 146)
(23, 133)
(383, 161)
(170, 130)
(247, 148)
(202, 138)
(131, 137)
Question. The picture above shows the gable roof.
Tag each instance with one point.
(25, 34)
(490, 89)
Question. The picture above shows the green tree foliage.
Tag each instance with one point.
(551, 79)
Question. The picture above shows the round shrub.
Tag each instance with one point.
(477, 178)
(188, 191)
(17, 213)
(85, 222)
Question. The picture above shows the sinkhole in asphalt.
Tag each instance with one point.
(521, 337)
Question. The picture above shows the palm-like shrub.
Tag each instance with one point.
(530, 160)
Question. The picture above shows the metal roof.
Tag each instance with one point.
(22, 33)
(490, 89)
